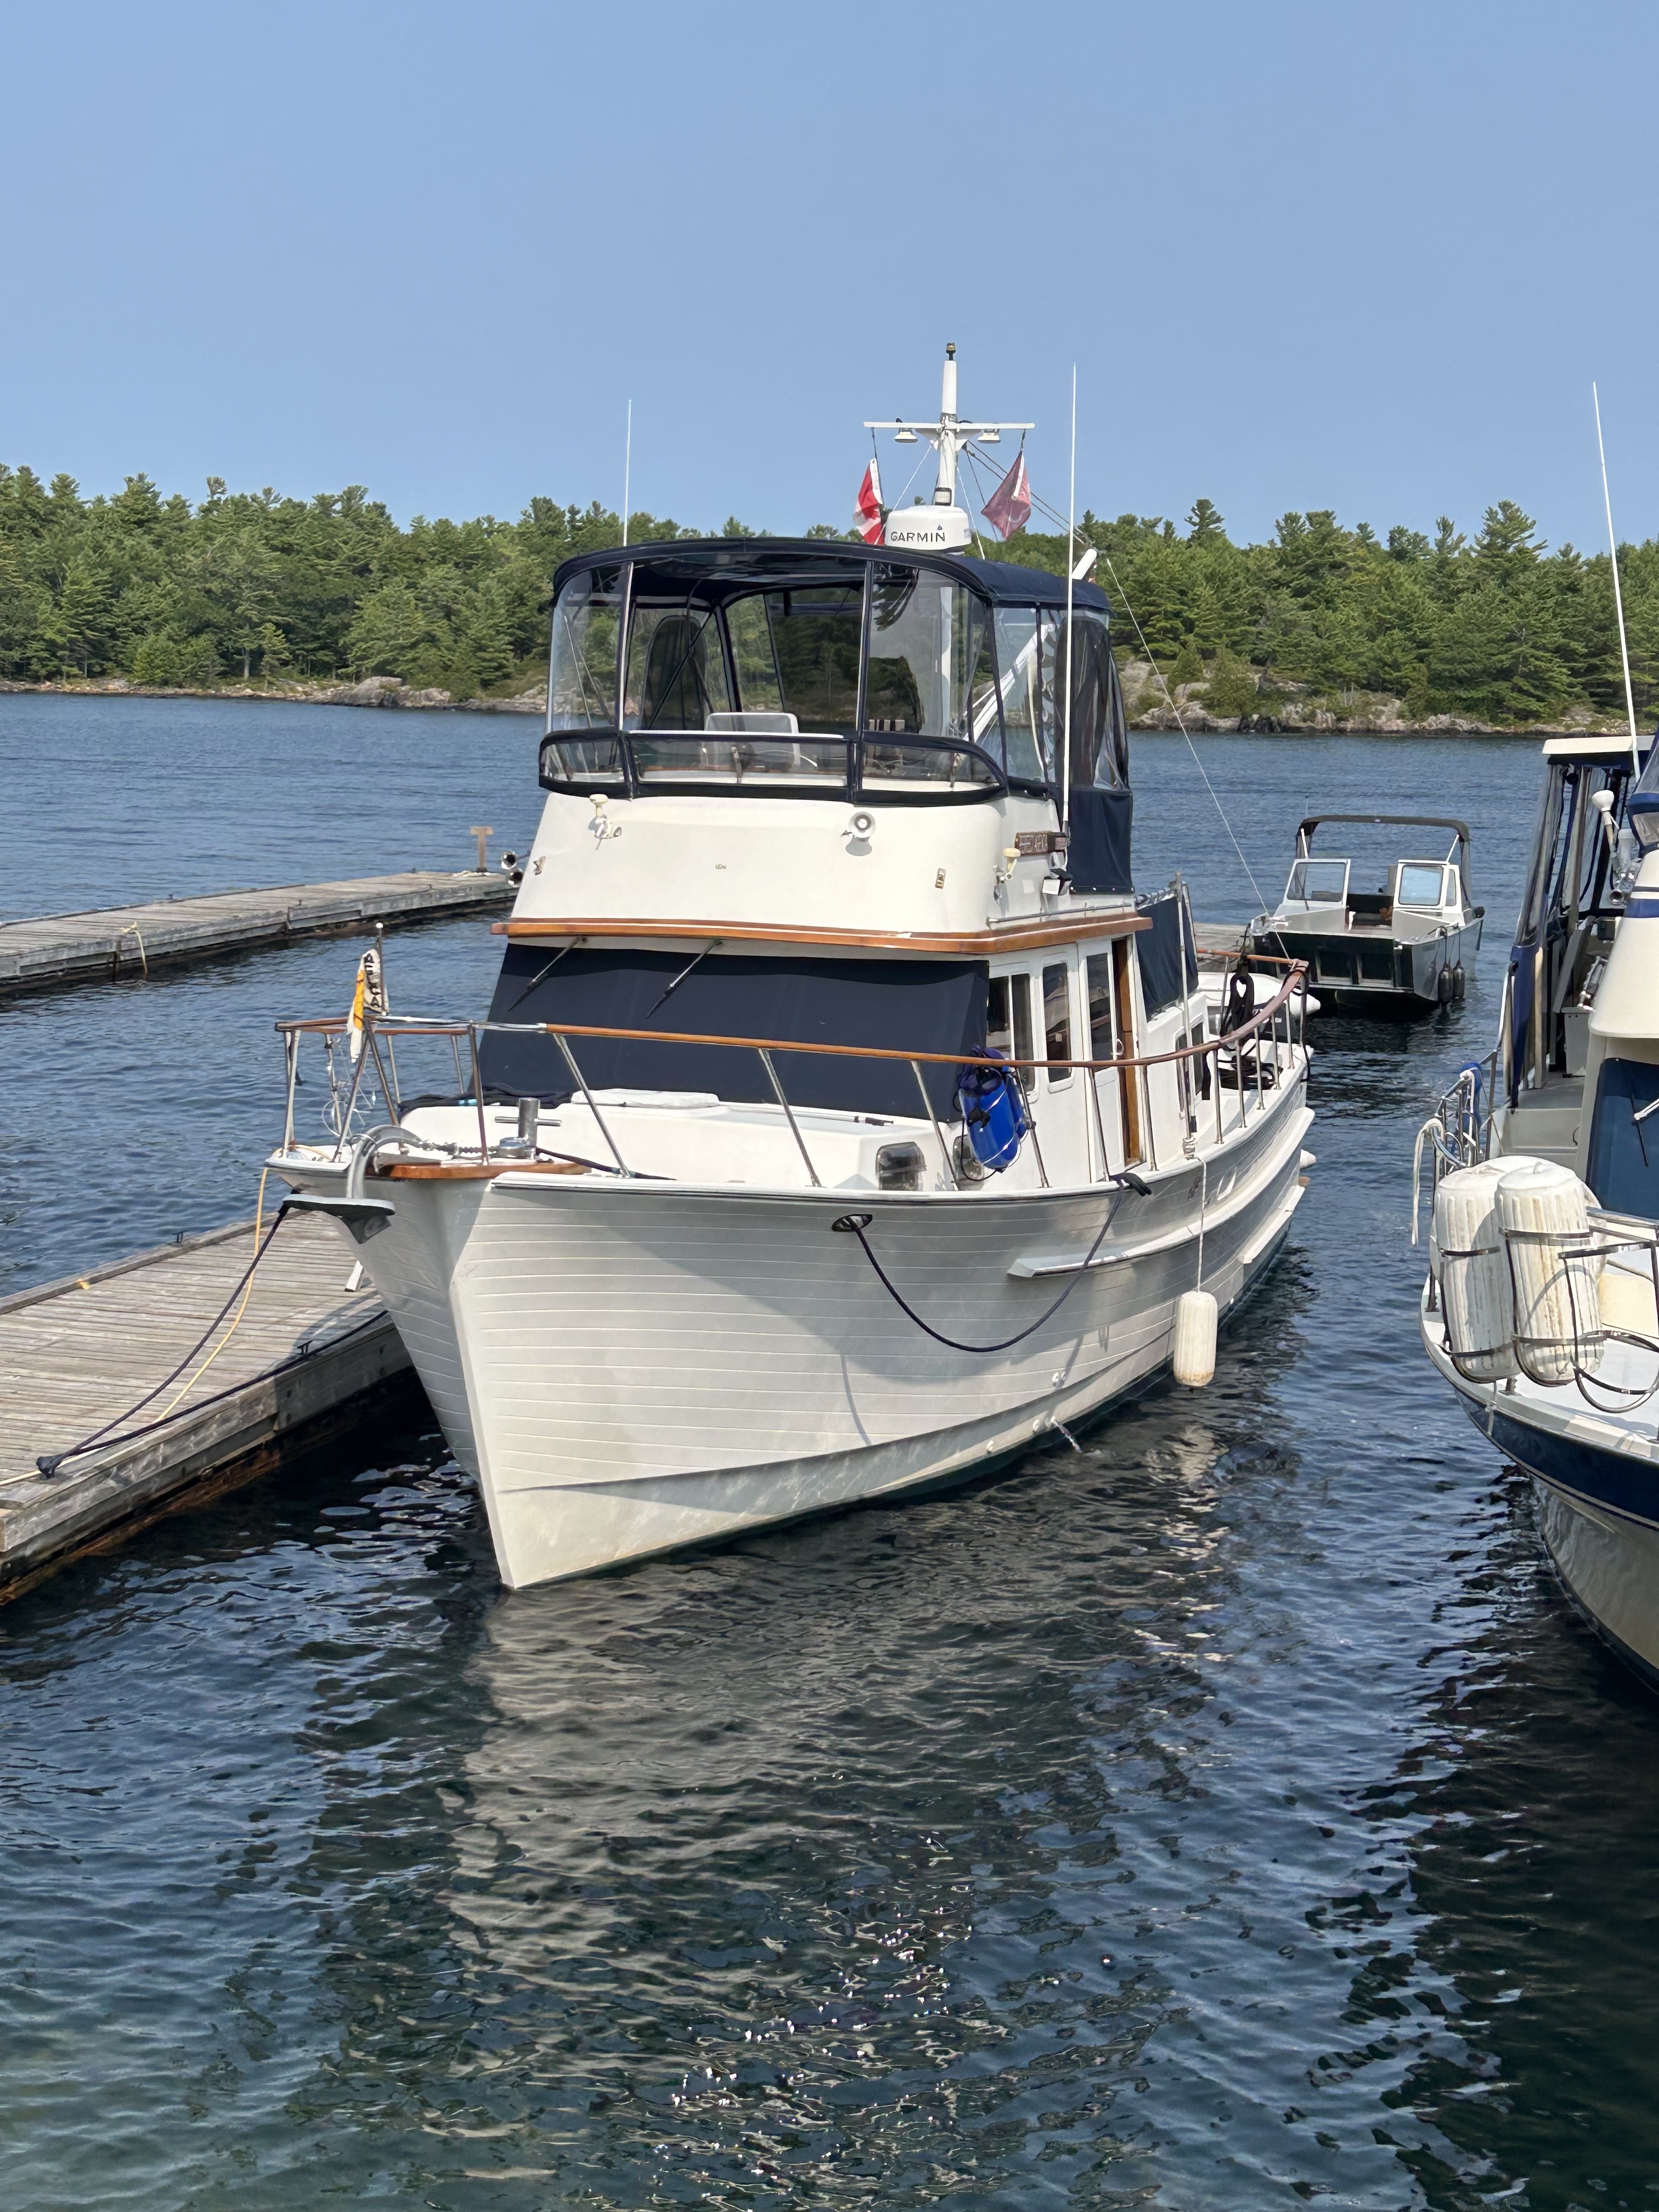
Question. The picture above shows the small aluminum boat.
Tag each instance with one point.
(1401, 949)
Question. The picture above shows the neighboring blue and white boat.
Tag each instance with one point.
(1542, 1306)
(843, 1121)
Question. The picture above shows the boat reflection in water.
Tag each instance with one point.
(843, 1121)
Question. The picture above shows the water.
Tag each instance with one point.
(104, 1144)
(112, 800)
(1231, 1814)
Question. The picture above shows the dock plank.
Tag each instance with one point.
(76, 1355)
(49, 951)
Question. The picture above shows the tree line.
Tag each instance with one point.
(255, 586)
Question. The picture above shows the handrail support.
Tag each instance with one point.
(789, 1115)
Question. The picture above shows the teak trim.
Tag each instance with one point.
(974, 944)
(470, 1171)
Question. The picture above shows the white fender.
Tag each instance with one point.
(1558, 1316)
(1194, 1338)
(1466, 1259)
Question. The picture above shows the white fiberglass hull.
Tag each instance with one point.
(629, 1366)
(1595, 1474)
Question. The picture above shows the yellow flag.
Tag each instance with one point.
(355, 1025)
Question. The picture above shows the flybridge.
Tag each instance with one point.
(943, 527)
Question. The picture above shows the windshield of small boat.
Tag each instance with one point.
(1422, 883)
(1317, 882)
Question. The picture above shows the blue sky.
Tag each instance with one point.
(1360, 257)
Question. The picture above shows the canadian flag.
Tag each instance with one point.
(1009, 507)
(868, 511)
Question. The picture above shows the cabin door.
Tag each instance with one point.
(1119, 1094)
(1062, 1094)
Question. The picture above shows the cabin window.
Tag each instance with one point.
(582, 678)
(1019, 682)
(930, 675)
(816, 638)
(1008, 1020)
(676, 669)
(930, 672)
(1093, 743)
(1051, 676)
(754, 661)
(1032, 682)
(1420, 884)
(1057, 1020)
(1111, 1035)
(1103, 1033)
(1118, 742)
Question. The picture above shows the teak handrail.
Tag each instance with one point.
(397, 1025)
(1003, 936)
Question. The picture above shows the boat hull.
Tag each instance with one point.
(1596, 1482)
(630, 1367)
(1395, 979)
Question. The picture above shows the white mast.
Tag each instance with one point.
(1071, 585)
(1618, 596)
(944, 524)
(628, 467)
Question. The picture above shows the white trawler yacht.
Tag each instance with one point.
(1541, 1307)
(842, 1120)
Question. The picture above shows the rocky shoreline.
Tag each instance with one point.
(1297, 710)
(1289, 710)
(372, 691)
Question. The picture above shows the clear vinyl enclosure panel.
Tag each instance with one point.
(884, 677)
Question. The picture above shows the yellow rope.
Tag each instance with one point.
(185, 1389)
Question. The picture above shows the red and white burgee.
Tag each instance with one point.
(1009, 507)
(867, 514)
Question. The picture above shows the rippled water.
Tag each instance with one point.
(1229, 1814)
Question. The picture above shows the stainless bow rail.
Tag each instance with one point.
(1248, 1061)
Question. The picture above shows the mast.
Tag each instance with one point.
(944, 524)
(1617, 595)
(1071, 585)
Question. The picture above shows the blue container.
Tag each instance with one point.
(993, 1112)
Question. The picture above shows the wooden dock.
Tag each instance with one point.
(307, 1360)
(1218, 936)
(45, 954)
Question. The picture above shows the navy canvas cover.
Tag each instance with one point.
(1098, 857)
(1160, 950)
(745, 560)
(900, 1006)
(1623, 1167)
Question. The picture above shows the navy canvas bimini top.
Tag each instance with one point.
(775, 563)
